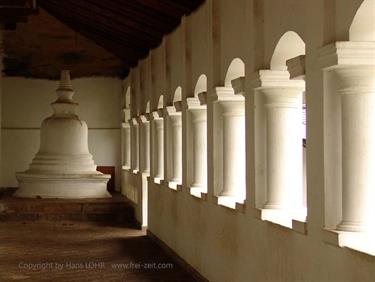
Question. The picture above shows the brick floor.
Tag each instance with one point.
(78, 251)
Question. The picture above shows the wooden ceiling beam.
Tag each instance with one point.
(142, 18)
(115, 46)
(94, 21)
(111, 17)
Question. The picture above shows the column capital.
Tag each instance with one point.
(145, 118)
(263, 79)
(353, 63)
(191, 103)
(297, 67)
(155, 115)
(125, 125)
(134, 121)
(347, 53)
(171, 111)
(225, 94)
(126, 114)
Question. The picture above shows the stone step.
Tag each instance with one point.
(107, 210)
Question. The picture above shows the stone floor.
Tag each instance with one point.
(79, 251)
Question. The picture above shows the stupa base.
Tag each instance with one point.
(63, 186)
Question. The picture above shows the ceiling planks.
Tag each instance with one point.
(125, 30)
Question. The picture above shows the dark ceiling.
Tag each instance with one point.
(89, 37)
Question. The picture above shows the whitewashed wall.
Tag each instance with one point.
(26, 102)
(231, 245)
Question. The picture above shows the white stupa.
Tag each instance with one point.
(63, 167)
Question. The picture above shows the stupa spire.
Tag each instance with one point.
(65, 89)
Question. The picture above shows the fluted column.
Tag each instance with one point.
(353, 66)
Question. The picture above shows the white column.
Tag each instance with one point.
(158, 146)
(358, 147)
(126, 139)
(145, 143)
(199, 126)
(176, 128)
(135, 145)
(283, 155)
(352, 65)
(284, 148)
(126, 144)
(233, 147)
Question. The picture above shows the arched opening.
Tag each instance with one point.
(201, 85)
(290, 45)
(148, 107)
(285, 127)
(363, 24)
(235, 70)
(160, 102)
(177, 96)
(127, 98)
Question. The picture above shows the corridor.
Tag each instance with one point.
(81, 251)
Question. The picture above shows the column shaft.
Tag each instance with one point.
(135, 147)
(145, 148)
(127, 145)
(234, 163)
(159, 146)
(199, 124)
(284, 148)
(358, 151)
(176, 126)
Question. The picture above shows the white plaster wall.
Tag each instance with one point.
(26, 102)
(230, 245)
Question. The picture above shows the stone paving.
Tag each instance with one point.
(81, 251)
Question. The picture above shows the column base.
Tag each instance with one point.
(174, 183)
(63, 186)
(272, 206)
(352, 226)
(197, 191)
(228, 194)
